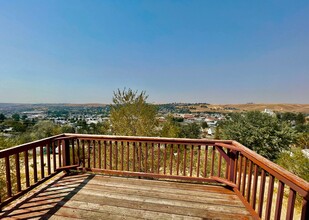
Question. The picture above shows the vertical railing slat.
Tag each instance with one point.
(26, 156)
(212, 161)
(164, 160)
(171, 158)
(239, 172)
(35, 173)
(128, 156)
(291, 204)
(8, 177)
(198, 161)
(185, 160)
(152, 157)
(205, 161)
(269, 197)
(116, 155)
(244, 177)
(122, 153)
(255, 181)
(42, 162)
(17, 168)
(158, 165)
(178, 159)
(100, 154)
(191, 159)
(48, 158)
(261, 194)
(94, 153)
(279, 200)
(248, 191)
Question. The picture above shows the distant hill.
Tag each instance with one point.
(303, 108)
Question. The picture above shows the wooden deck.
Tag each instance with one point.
(86, 196)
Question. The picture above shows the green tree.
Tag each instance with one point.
(16, 117)
(170, 128)
(260, 132)
(302, 140)
(132, 115)
(295, 161)
(204, 125)
(192, 130)
(2, 117)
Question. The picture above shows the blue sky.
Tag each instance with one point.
(178, 51)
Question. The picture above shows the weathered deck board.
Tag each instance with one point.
(86, 196)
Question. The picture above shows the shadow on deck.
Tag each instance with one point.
(87, 196)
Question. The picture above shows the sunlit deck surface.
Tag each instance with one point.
(88, 196)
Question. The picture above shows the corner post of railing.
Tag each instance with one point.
(66, 151)
(232, 155)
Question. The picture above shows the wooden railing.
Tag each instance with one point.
(199, 160)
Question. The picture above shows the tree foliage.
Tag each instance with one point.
(131, 115)
(296, 162)
(260, 132)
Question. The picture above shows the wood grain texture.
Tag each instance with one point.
(86, 196)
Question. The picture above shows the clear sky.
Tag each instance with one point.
(224, 51)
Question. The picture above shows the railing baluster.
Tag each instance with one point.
(261, 194)
(291, 203)
(219, 164)
(255, 181)
(248, 192)
(48, 158)
(27, 168)
(84, 153)
(134, 150)
(305, 209)
(17, 167)
(198, 160)
(239, 172)
(122, 152)
(164, 160)
(146, 157)
(191, 159)
(235, 167)
(185, 160)
(78, 151)
(139, 157)
(111, 155)
(73, 151)
(54, 156)
(205, 161)
(279, 201)
(244, 177)
(158, 167)
(152, 157)
(88, 154)
(8, 177)
(35, 174)
(178, 158)
(59, 153)
(42, 162)
(116, 155)
(105, 152)
(269, 197)
(100, 154)
(171, 159)
(227, 173)
(94, 154)
(128, 156)
(212, 161)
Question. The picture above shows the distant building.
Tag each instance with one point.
(269, 111)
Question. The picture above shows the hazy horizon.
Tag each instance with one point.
(177, 51)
